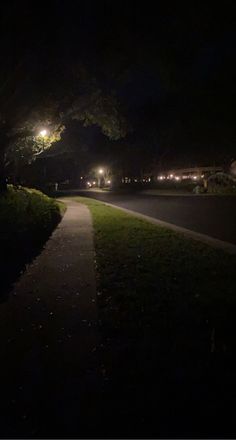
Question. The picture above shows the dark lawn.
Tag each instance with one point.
(168, 308)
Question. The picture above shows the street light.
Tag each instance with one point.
(100, 176)
(43, 133)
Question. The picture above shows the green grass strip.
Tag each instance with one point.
(151, 275)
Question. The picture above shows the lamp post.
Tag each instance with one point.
(43, 134)
(100, 175)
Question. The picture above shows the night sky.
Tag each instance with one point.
(171, 67)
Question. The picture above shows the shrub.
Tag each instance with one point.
(221, 183)
(27, 218)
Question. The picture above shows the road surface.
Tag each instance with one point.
(211, 215)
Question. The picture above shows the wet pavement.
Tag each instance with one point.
(49, 338)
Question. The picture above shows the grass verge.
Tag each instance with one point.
(168, 307)
(27, 218)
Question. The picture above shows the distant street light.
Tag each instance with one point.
(101, 176)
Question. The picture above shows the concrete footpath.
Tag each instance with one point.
(49, 337)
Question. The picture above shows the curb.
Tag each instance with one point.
(206, 239)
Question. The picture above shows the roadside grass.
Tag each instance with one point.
(27, 218)
(167, 306)
(62, 207)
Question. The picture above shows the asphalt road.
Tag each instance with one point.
(211, 215)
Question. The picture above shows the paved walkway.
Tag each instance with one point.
(49, 336)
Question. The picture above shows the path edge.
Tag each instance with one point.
(197, 236)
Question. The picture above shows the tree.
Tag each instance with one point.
(84, 98)
(46, 94)
(102, 110)
(22, 139)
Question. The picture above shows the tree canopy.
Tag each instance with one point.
(168, 73)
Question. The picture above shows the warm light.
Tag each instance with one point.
(177, 178)
(89, 184)
(43, 133)
(108, 182)
(101, 171)
(195, 177)
(94, 183)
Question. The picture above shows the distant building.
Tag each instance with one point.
(195, 173)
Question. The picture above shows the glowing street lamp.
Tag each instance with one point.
(101, 175)
(43, 133)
